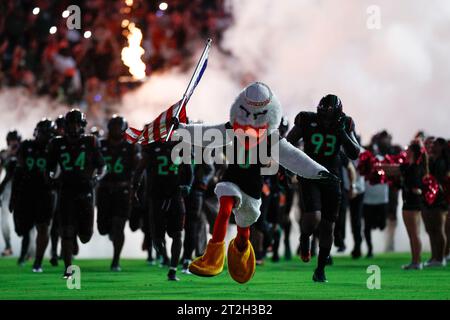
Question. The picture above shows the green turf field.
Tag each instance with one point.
(285, 280)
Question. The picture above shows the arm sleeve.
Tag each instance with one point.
(140, 168)
(349, 143)
(52, 161)
(297, 161)
(98, 157)
(296, 132)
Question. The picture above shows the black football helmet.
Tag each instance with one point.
(60, 122)
(118, 120)
(73, 119)
(45, 129)
(13, 135)
(330, 108)
(284, 126)
(116, 127)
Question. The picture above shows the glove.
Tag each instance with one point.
(184, 190)
(95, 181)
(340, 124)
(328, 178)
(175, 122)
(136, 200)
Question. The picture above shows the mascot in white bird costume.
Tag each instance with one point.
(255, 114)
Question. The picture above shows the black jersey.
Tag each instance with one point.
(245, 166)
(165, 174)
(32, 163)
(320, 143)
(121, 160)
(77, 160)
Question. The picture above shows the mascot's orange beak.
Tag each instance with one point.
(253, 134)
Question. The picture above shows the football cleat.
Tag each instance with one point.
(37, 269)
(172, 275)
(186, 264)
(275, 258)
(305, 249)
(67, 275)
(319, 276)
(435, 263)
(21, 261)
(7, 252)
(413, 266)
(116, 268)
(54, 261)
(356, 253)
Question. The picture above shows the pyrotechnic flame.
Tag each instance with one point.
(131, 55)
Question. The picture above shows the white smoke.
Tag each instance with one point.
(396, 77)
(21, 112)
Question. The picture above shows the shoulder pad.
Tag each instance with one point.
(26, 142)
(57, 140)
(89, 138)
(304, 117)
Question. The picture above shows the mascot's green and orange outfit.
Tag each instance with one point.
(256, 112)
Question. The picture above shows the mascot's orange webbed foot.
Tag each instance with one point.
(211, 263)
(241, 264)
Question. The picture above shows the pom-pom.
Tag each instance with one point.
(430, 189)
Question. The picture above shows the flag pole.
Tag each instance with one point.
(187, 94)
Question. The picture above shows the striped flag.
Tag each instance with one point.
(158, 128)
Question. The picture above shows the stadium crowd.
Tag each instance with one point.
(83, 66)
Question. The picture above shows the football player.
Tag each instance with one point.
(115, 189)
(203, 173)
(169, 181)
(283, 191)
(54, 232)
(81, 165)
(31, 200)
(324, 133)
